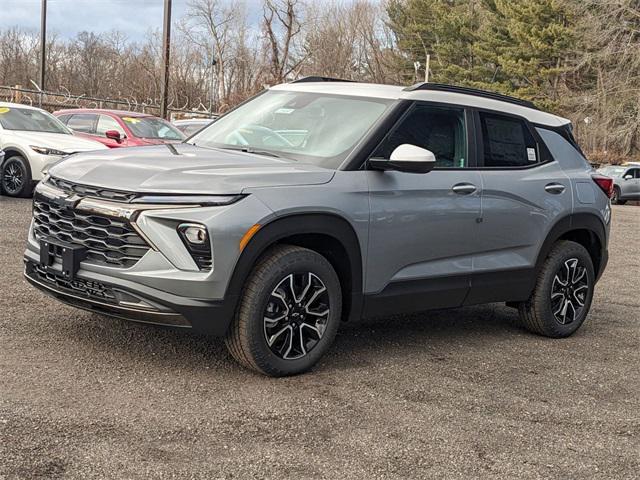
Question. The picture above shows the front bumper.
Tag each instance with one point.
(127, 300)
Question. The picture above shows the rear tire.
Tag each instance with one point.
(288, 314)
(15, 177)
(562, 296)
(615, 198)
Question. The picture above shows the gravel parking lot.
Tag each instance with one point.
(451, 394)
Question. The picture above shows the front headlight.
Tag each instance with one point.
(48, 151)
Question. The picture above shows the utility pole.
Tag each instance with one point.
(43, 47)
(426, 69)
(166, 50)
(212, 78)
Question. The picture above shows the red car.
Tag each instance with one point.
(116, 128)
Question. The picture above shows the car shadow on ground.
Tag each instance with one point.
(430, 333)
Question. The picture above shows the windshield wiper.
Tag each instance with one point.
(266, 153)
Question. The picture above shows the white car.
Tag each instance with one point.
(190, 126)
(31, 140)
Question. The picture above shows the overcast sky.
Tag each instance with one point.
(68, 17)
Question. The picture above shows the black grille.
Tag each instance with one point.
(78, 287)
(89, 191)
(109, 241)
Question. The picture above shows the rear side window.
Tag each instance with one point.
(81, 122)
(507, 142)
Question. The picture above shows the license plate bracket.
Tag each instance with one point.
(70, 254)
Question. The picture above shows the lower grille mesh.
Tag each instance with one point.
(79, 287)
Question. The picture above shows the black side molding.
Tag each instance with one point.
(409, 296)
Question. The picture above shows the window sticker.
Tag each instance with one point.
(131, 120)
(531, 155)
(285, 111)
(4, 110)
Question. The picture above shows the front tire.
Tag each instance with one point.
(562, 296)
(288, 314)
(15, 177)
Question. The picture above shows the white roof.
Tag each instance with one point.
(394, 92)
(18, 105)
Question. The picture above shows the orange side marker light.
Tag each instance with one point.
(248, 236)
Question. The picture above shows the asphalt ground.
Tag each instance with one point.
(461, 393)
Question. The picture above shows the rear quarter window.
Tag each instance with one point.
(566, 154)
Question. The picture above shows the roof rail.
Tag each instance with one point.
(440, 87)
(320, 79)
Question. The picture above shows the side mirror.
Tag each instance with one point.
(628, 176)
(113, 135)
(406, 158)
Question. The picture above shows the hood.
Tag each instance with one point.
(59, 141)
(156, 169)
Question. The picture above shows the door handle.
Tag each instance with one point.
(464, 188)
(555, 188)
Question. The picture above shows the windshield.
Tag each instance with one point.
(151, 127)
(312, 128)
(30, 120)
(613, 171)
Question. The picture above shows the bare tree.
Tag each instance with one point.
(282, 26)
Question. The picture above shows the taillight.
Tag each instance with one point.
(605, 184)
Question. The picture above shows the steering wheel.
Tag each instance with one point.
(261, 134)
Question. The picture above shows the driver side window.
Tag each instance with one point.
(438, 129)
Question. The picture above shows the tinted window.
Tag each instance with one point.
(106, 123)
(82, 122)
(507, 142)
(440, 130)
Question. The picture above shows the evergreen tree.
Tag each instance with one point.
(444, 29)
(530, 46)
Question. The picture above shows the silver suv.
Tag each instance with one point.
(626, 182)
(322, 200)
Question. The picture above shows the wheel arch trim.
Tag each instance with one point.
(14, 150)
(281, 227)
(571, 223)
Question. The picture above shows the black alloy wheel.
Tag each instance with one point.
(288, 314)
(569, 291)
(16, 177)
(296, 315)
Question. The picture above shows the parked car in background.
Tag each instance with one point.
(32, 139)
(191, 126)
(626, 181)
(117, 128)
